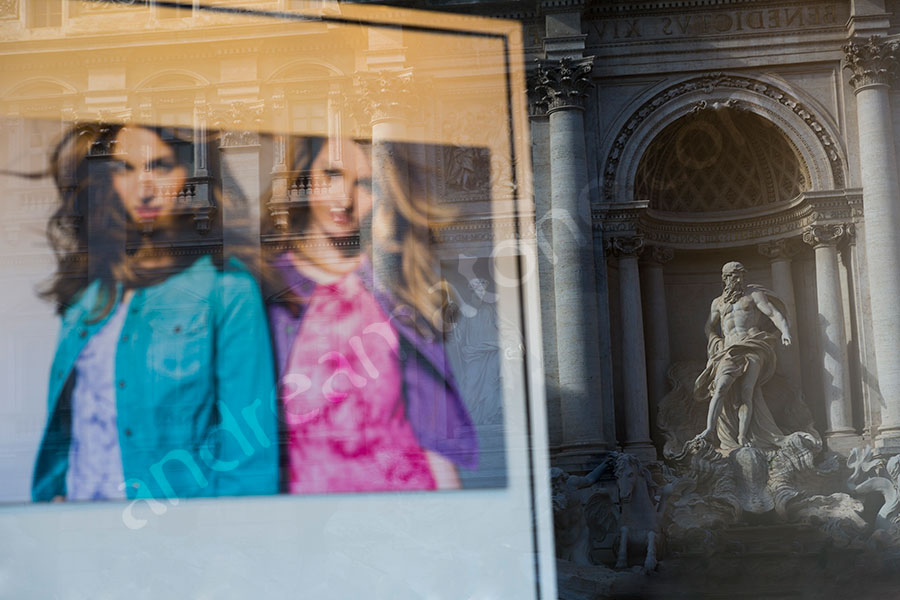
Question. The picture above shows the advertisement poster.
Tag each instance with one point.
(269, 320)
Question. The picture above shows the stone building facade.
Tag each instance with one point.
(690, 134)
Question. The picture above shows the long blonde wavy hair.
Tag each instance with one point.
(397, 235)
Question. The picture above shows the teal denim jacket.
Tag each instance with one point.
(195, 390)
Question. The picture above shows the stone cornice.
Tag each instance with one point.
(550, 6)
(872, 62)
(563, 83)
(728, 229)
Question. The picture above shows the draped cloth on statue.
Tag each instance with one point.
(764, 433)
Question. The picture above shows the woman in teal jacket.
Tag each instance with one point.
(162, 384)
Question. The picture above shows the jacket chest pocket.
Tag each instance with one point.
(180, 342)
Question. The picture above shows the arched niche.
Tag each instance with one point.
(720, 159)
(811, 135)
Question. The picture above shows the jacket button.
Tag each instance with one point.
(125, 338)
(178, 329)
(127, 432)
(121, 384)
(82, 333)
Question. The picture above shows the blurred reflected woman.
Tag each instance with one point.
(162, 383)
(368, 399)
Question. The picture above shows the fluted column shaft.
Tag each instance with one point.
(634, 374)
(832, 338)
(872, 65)
(564, 86)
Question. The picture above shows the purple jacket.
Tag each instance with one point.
(434, 407)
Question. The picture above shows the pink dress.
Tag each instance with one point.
(343, 399)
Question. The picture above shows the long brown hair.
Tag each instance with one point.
(397, 231)
(93, 235)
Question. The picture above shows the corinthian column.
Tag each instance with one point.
(634, 374)
(563, 86)
(832, 338)
(872, 65)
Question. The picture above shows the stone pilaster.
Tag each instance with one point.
(656, 326)
(873, 65)
(280, 199)
(634, 374)
(238, 124)
(201, 160)
(780, 254)
(562, 87)
(203, 200)
(832, 337)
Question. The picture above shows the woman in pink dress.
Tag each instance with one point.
(367, 397)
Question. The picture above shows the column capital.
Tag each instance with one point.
(537, 107)
(625, 247)
(278, 102)
(68, 114)
(783, 249)
(564, 83)
(145, 109)
(385, 94)
(201, 108)
(872, 62)
(657, 255)
(819, 236)
(238, 123)
(850, 233)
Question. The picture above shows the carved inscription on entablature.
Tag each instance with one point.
(793, 17)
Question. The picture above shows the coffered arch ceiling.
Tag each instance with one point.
(719, 159)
